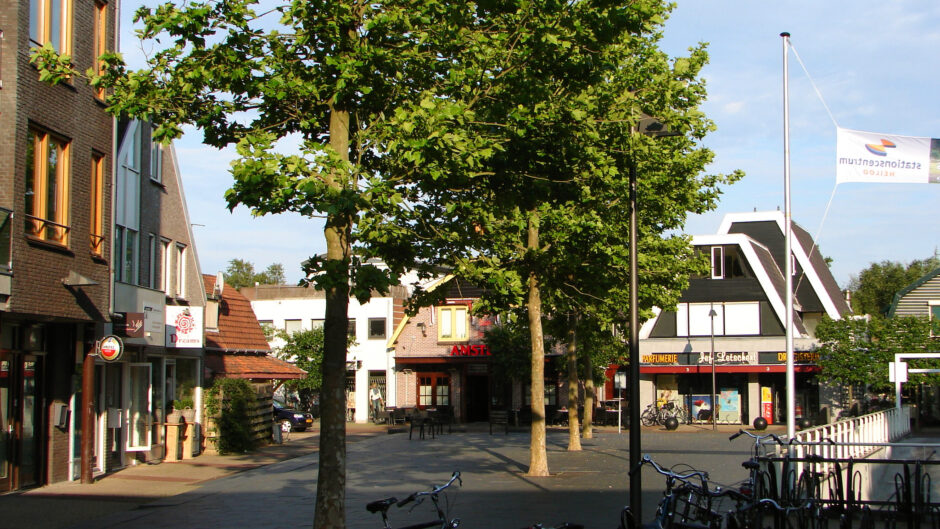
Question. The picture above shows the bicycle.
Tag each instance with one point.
(382, 506)
(759, 483)
(751, 515)
(688, 502)
(654, 414)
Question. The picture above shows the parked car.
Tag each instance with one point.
(298, 421)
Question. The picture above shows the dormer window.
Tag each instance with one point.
(718, 262)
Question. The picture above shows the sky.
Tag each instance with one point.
(875, 66)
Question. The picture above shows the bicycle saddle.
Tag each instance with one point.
(380, 505)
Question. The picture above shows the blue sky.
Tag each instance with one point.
(875, 63)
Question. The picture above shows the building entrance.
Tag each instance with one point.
(19, 421)
(478, 398)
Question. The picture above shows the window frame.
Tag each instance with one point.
(299, 326)
(432, 394)
(41, 24)
(101, 41)
(933, 315)
(156, 162)
(39, 226)
(450, 331)
(96, 231)
(378, 336)
(718, 262)
(180, 275)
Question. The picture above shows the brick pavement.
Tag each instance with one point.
(275, 487)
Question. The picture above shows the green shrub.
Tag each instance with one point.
(230, 401)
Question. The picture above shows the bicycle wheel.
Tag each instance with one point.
(647, 419)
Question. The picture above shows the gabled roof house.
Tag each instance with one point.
(734, 318)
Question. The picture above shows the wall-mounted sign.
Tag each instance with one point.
(184, 326)
(110, 348)
(799, 357)
(470, 350)
(132, 326)
(725, 358)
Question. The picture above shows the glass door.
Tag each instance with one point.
(19, 421)
(6, 422)
(138, 408)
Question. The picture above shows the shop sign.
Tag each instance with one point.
(725, 358)
(133, 326)
(470, 350)
(661, 358)
(780, 357)
(184, 326)
(110, 348)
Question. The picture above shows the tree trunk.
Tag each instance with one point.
(538, 456)
(331, 479)
(587, 427)
(574, 429)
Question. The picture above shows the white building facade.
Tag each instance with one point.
(368, 360)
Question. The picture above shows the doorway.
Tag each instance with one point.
(478, 398)
(20, 424)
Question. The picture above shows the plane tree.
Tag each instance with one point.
(525, 167)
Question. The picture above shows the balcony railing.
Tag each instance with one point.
(47, 230)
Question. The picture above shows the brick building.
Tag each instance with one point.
(56, 146)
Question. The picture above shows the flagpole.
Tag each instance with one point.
(787, 253)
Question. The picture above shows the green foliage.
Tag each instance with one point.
(856, 351)
(305, 350)
(512, 355)
(241, 273)
(873, 289)
(229, 401)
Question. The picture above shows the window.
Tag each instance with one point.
(731, 319)
(97, 205)
(351, 328)
(47, 185)
(453, 323)
(156, 162)
(152, 261)
(316, 323)
(167, 265)
(376, 328)
(101, 40)
(718, 262)
(292, 326)
(6, 241)
(180, 270)
(433, 390)
(934, 318)
(125, 254)
(51, 21)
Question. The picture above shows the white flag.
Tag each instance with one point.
(872, 157)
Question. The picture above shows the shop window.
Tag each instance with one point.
(551, 394)
(433, 390)
(50, 21)
(47, 187)
(453, 323)
(377, 328)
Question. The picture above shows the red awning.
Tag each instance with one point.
(255, 367)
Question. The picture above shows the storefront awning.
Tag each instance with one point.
(707, 369)
(255, 367)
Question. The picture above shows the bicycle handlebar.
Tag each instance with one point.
(433, 492)
(759, 438)
(701, 475)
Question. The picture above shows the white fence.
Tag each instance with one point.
(855, 438)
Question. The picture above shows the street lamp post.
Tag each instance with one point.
(712, 314)
(647, 126)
